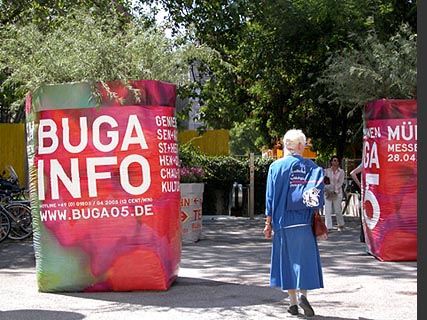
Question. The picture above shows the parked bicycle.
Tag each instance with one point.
(9, 184)
(15, 219)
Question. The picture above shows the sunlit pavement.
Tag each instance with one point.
(225, 276)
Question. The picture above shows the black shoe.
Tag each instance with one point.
(293, 310)
(305, 305)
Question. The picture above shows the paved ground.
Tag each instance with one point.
(224, 276)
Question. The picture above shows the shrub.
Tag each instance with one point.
(220, 174)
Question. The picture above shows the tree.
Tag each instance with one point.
(46, 15)
(85, 46)
(377, 70)
(374, 70)
(276, 50)
(244, 138)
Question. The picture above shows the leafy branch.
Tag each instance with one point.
(85, 47)
(379, 70)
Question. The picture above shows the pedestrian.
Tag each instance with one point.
(333, 205)
(353, 175)
(295, 260)
(329, 189)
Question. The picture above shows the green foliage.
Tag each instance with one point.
(261, 166)
(378, 70)
(245, 139)
(277, 50)
(190, 155)
(222, 171)
(9, 94)
(45, 13)
(263, 69)
(191, 164)
(87, 47)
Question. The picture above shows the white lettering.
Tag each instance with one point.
(166, 121)
(170, 186)
(57, 173)
(134, 124)
(371, 155)
(113, 135)
(407, 131)
(49, 134)
(145, 173)
(48, 141)
(93, 176)
(83, 136)
(372, 132)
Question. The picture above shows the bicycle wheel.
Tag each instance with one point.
(4, 225)
(21, 221)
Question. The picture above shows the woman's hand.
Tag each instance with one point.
(267, 231)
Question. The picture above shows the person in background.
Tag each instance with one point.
(329, 189)
(295, 261)
(353, 175)
(333, 205)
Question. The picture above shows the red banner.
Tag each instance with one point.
(389, 191)
(105, 190)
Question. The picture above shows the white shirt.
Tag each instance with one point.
(336, 178)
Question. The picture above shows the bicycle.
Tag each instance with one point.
(15, 220)
(10, 185)
(5, 224)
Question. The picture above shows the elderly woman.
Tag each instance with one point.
(295, 260)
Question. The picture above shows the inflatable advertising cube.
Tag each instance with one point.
(389, 179)
(104, 186)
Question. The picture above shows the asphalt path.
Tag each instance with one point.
(224, 276)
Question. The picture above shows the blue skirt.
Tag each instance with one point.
(295, 259)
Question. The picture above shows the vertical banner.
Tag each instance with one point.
(191, 210)
(389, 191)
(104, 186)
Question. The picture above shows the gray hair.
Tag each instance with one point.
(291, 139)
